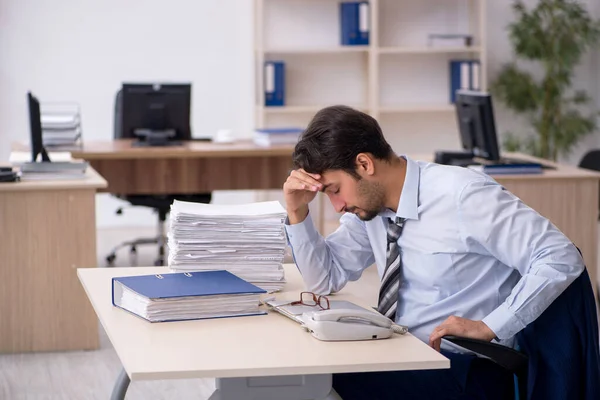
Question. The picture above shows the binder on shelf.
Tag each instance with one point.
(186, 296)
(354, 23)
(449, 40)
(510, 169)
(282, 135)
(464, 74)
(274, 83)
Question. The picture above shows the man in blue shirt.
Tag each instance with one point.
(457, 254)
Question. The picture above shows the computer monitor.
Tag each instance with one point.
(35, 129)
(476, 124)
(156, 114)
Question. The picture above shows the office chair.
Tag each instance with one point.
(161, 204)
(559, 356)
(591, 161)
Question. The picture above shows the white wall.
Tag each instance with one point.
(81, 50)
(74, 50)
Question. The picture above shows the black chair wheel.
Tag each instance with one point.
(133, 249)
(111, 258)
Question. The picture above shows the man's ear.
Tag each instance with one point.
(365, 166)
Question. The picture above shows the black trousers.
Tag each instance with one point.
(469, 377)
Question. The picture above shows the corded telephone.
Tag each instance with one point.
(349, 324)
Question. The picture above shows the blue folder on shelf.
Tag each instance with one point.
(186, 296)
(274, 83)
(354, 23)
(464, 74)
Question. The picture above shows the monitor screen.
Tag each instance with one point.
(475, 117)
(159, 108)
(35, 129)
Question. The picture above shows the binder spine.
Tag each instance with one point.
(112, 288)
(363, 23)
(274, 83)
(475, 75)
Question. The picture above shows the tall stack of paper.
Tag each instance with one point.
(247, 240)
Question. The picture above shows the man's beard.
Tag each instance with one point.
(373, 196)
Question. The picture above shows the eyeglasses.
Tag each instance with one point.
(310, 299)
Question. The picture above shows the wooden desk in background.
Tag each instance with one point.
(568, 196)
(195, 167)
(47, 231)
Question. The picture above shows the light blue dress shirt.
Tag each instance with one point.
(469, 248)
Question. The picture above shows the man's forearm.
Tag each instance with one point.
(297, 216)
(313, 257)
(327, 265)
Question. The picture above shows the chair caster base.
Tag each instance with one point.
(110, 259)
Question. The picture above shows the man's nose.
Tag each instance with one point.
(337, 203)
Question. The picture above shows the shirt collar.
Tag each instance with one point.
(409, 199)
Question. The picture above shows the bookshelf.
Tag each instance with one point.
(397, 78)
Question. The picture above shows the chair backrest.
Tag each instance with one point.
(563, 346)
(118, 116)
(591, 160)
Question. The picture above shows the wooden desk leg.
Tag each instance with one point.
(121, 386)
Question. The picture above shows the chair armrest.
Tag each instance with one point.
(510, 359)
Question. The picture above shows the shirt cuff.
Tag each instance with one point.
(503, 322)
(301, 232)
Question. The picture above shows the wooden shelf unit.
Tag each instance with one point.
(398, 79)
(384, 45)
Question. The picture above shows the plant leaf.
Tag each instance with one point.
(517, 89)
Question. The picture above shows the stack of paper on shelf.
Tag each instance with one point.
(186, 296)
(61, 124)
(449, 40)
(247, 240)
(274, 136)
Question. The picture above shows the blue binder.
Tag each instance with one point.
(280, 131)
(354, 23)
(464, 74)
(274, 83)
(177, 286)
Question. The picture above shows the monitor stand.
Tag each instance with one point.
(459, 158)
(152, 138)
(47, 165)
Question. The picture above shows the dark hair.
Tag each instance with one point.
(335, 136)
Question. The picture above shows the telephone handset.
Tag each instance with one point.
(349, 324)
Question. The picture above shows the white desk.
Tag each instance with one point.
(257, 346)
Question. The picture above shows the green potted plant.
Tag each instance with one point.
(552, 37)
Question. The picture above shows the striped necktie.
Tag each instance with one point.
(390, 283)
